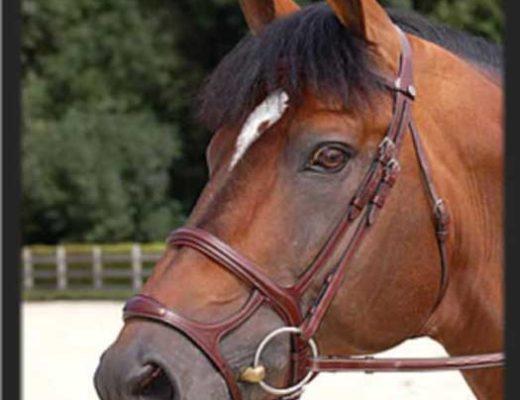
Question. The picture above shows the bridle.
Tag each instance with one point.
(360, 215)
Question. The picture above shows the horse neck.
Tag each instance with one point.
(460, 119)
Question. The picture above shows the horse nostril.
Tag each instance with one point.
(153, 383)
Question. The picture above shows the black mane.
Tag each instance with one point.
(311, 50)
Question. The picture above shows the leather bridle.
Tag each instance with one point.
(360, 215)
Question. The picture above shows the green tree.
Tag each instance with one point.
(98, 177)
(97, 151)
(480, 17)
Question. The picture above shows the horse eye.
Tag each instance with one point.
(329, 158)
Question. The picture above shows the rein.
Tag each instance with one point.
(362, 210)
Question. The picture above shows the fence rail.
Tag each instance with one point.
(62, 270)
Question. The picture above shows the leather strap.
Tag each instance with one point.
(370, 364)
(370, 197)
(205, 336)
(440, 211)
(283, 300)
(224, 255)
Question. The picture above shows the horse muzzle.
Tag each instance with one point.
(150, 362)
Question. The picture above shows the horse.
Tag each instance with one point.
(354, 201)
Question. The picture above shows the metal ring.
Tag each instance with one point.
(292, 389)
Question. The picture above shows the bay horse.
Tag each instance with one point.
(354, 201)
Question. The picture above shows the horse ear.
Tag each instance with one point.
(259, 13)
(369, 20)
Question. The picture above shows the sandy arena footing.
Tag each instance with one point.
(62, 342)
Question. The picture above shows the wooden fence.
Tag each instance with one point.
(62, 270)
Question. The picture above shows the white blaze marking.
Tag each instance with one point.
(265, 115)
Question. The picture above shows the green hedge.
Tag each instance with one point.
(80, 248)
(79, 294)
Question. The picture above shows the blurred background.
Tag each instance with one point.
(113, 157)
(112, 152)
(111, 148)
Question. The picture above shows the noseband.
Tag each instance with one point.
(360, 215)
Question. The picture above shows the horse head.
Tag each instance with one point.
(312, 114)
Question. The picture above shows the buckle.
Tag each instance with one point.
(392, 169)
(442, 219)
(368, 358)
(386, 150)
(409, 91)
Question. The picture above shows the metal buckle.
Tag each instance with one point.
(442, 219)
(393, 163)
(297, 388)
(391, 170)
(386, 150)
(410, 90)
(386, 142)
(367, 371)
(439, 208)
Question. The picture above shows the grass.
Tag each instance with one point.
(76, 294)
(114, 248)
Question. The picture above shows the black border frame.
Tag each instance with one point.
(11, 108)
(512, 188)
(11, 113)
(11, 191)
